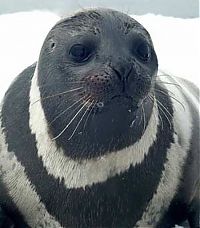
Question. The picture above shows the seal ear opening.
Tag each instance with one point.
(52, 45)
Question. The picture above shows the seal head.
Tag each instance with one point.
(97, 68)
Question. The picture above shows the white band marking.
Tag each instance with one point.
(87, 171)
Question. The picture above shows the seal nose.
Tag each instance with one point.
(122, 70)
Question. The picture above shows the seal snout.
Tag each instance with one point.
(116, 83)
(108, 82)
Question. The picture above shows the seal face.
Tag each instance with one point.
(91, 136)
(107, 60)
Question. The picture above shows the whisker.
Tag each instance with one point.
(165, 108)
(75, 82)
(159, 116)
(144, 119)
(168, 83)
(80, 121)
(58, 83)
(89, 114)
(58, 94)
(162, 108)
(71, 120)
(160, 91)
(165, 75)
(63, 112)
(141, 116)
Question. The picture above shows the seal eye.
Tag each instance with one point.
(143, 51)
(79, 53)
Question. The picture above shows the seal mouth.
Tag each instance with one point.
(122, 96)
(120, 102)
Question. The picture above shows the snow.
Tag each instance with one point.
(22, 35)
(176, 42)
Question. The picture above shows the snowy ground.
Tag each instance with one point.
(176, 42)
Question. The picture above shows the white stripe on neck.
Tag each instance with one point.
(88, 171)
(21, 191)
(176, 156)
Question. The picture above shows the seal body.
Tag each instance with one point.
(92, 136)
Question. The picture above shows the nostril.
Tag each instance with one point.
(119, 75)
(122, 70)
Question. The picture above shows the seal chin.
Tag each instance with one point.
(126, 100)
(104, 91)
(120, 102)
